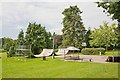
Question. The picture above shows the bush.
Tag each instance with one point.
(11, 52)
(93, 51)
(2, 50)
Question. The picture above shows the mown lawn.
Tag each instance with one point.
(56, 68)
(0, 69)
(111, 52)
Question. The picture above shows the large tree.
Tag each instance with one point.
(73, 27)
(37, 37)
(104, 36)
(112, 8)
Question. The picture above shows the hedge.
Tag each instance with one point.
(2, 50)
(92, 51)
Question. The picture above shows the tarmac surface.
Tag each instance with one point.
(87, 58)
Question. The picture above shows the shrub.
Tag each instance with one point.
(2, 50)
(11, 52)
(93, 51)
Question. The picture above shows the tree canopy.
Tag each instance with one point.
(37, 37)
(7, 43)
(20, 40)
(73, 27)
(113, 8)
(104, 36)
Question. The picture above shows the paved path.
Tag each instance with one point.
(94, 58)
(86, 58)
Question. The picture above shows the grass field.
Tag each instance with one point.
(56, 68)
(0, 69)
(117, 52)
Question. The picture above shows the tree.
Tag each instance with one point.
(118, 31)
(73, 27)
(7, 43)
(37, 37)
(87, 38)
(58, 40)
(12, 51)
(49, 43)
(20, 40)
(104, 36)
(112, 8)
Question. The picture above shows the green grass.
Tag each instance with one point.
(111, 52)
(56, 68)
(0, 69)
(0, 66)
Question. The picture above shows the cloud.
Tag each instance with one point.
(0, 20)
(50, 0)
(17, 15)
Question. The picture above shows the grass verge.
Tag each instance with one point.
(17, 67)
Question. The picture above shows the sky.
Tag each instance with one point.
(15, 16)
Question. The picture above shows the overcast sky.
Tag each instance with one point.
(17, 15)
